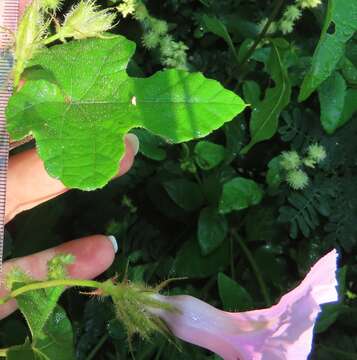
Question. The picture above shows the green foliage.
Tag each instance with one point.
(339, 26)
(265, 115)
(211, 230)
(303, 209)
(87, 106)
(209, 155)
(234, 297)
(238, 194)
(332, 94)
(222, 217)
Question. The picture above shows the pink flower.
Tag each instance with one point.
(283, 331)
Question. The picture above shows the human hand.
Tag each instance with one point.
(29, 185)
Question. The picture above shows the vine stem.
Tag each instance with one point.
(255, 268)
(51, 39)
(100, 343)
(49, 284)
(276, 7)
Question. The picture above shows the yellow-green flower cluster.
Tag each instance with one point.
(308, 4)
(86, 20)
(290, 16)
(173, 53)
(292, 164)
(127, 7)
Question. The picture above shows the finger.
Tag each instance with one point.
(93, 255)
(28, 183)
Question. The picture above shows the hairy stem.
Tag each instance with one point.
(49, 284)
(256, 270)
(51, 39)
(100, 343)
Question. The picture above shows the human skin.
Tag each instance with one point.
(29, 185)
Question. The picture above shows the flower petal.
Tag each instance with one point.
(282, 332)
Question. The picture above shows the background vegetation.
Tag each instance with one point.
(175, 212)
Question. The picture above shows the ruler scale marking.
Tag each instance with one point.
(9, 12)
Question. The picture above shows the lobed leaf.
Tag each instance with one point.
(80, 113)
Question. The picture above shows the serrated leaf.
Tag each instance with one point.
(44, 301)
(55, 344)
(212, 229)
(341, 19)
(332, 95)
(238, 194)
(265, 115)
(79, 119)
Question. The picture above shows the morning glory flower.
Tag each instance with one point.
(281, 332)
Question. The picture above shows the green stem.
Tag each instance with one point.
(233, 273)
(51, 39)
(49, 284)
(276, 7)
(101, 342)
(256, 270)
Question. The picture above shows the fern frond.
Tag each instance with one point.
(305, 210)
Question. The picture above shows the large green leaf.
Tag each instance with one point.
(55, 344)
(265, 115)
(81, 112)
(339, 26)
(332, 95)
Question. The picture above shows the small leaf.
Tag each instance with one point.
(274, 176)
(80, 118)
(185, 193)
(218, 28)
(212, 229)
(332, 98)
(234, 297)
(208, 155)
(265, 115)
(251, 92)
(238, 194)
(342, 15)
(150, 145)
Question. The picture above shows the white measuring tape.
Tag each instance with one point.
(9, 12)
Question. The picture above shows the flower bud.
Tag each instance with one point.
(297, 179)
(30, 32)
(85, 21)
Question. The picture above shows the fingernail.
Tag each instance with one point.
(114, 242)
(134, 142)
